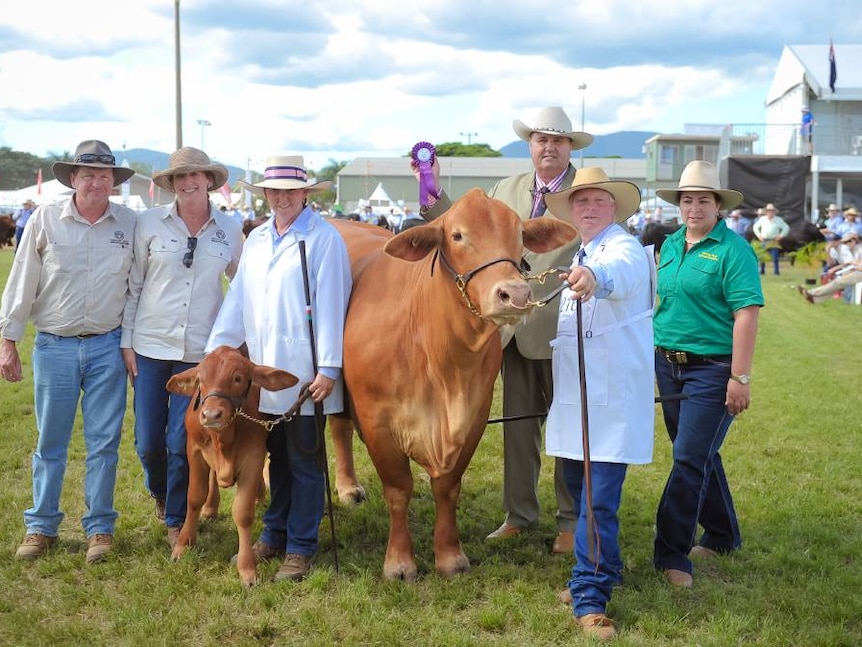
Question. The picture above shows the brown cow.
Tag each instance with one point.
(7, 230)
(234, 447)
(439, 292)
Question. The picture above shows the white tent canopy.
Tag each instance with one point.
(380, 202)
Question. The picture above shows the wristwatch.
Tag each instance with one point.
(742, 379)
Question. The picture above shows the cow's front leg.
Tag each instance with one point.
(347, 486)
(450, 559)
(243, 517)
(199, 472)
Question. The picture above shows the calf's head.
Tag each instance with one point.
(221, 382)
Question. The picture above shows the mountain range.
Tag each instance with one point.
(627, 144)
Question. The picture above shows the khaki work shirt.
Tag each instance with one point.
(69, 276)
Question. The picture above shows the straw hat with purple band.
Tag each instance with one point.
(702, 176)
(627, 197)
(95, 154)
(285, 172)
(186, 160)
(552, 121)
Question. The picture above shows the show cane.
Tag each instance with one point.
(319, 422)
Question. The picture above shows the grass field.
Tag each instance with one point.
(794, 461)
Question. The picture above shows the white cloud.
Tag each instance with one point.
(337, 80)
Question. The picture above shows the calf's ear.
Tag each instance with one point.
(544, 234)
(184, 383)
(273, 379)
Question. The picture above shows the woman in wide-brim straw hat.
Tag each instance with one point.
(265, 308)
(705, 323)
(183, 250)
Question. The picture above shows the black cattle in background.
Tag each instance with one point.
(654, 233)
(801, 233)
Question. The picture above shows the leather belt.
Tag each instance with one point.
(691, 359)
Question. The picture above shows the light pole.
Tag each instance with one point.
(177, 79)
(203, 123)
(583, 88)
(469, 137)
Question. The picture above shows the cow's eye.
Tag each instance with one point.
(456, 236)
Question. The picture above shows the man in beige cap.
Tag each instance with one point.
(70, 278)
(527, 383)
(20, 218)
(769, 229)
(832, 225)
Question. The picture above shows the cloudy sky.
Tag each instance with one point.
(337, 79)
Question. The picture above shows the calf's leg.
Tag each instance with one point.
(199, 478)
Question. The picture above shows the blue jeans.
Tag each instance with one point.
(696, 490)
(591, 588)
(774, 253)
(160, 435)
(63, 369)
(296, 488)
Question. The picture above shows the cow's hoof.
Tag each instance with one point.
(354, 495)
(249, 581)
(209, 513)
(452, 567)
(402, 572)
(177, 553)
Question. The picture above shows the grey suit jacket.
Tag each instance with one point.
(534, 336)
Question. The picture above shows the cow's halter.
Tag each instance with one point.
(461, 280)
(523, 268)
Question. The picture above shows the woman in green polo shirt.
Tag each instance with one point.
(705, 326)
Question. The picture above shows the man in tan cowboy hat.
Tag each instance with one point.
(70, 278)
(613, 279)
(265, 308)
(527, 383)
(832, 225)
(769, 229)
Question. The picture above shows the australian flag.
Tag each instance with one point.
(833, 72)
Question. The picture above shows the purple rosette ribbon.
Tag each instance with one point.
(423, 155)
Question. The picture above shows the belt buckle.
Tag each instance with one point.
(677, 357)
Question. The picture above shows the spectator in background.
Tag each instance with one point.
(769, 229)
(806, 129)
(20, 217)
(70, 277)
(182, 251)
(851, 222)
(845, 274)
(737, 223)
(831, 228)
(705, 322)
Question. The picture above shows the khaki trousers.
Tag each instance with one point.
(528, 388)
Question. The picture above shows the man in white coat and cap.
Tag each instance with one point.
(612, 276)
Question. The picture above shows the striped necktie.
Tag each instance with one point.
(539, 207)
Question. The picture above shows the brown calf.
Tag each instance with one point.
(224, 384)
